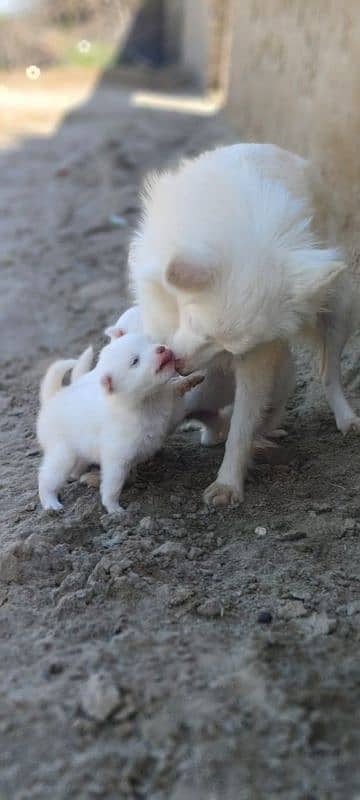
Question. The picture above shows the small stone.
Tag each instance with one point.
(194, 552)
(353, 608)
(321, 508)
(318, 624)
(169, 549)
(348, 525)
(265, 617)
(260, 531)
(99, 697)
(291, 609)
(117, 568)
(211, 608)
(291, 536)
(3, 597)
(180, 596)
(147, 524)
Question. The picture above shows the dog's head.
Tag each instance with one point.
(218, 313)
(225, 259)
(133, 365)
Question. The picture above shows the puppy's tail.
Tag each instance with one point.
(83, 364)
(53, 379)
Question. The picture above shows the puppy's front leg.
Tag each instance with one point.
(253, 380)
(114, 472)
(182, 385)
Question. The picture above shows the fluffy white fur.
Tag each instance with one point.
(226, 260)
(210, 403)
(206, 402)
(117, 415)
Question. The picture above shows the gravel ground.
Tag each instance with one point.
(181, 654)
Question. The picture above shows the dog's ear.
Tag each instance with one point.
(314, 271)
(188, 277)
(113, 332)
(107, 383)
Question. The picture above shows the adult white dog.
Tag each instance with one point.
(227, 258)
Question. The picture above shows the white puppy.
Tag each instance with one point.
(210, 403)
(117, 415)
(206, 402)
(226, 260)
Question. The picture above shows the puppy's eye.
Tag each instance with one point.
(134, 361)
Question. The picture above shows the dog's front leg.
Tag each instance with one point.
(254, 375)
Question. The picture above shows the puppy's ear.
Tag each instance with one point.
(113, 332)
(188, 277)
(107, 383)
(313, 271)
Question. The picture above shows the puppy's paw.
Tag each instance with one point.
(91, 479)
(350, 425)
(186, 384)
(219, 494)
(53, 506)
(115, 509)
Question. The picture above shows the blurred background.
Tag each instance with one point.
(286, 71)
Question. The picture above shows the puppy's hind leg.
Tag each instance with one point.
(54, 470)
(334, 330)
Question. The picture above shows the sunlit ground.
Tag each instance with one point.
(33, 104)
(37, 106)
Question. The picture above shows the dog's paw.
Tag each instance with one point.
(115, 509)
(211, 438)
(91, 479)
(219, 494)
(350, 425)
(185, 385)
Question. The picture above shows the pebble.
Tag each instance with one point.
(353, 608)
(194, 552)
(99, 697)
(264, 617)
(291, 609)
(348, 526)
(291, 536)
(260, 531)
(180, 596)
(169, 549)
(147, 524)
(211, 608)
(119, 567)
(3, 597)
(318, 624)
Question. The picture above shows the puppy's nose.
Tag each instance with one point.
(160, 349)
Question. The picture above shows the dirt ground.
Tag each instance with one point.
(182, 654)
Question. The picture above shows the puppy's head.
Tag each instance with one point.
(133, 365)
(129, 322)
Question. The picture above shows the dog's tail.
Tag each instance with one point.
(53, 379)
(83, 364)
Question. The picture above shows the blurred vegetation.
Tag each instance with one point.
(50, 33)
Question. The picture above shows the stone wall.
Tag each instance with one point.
(294, 79)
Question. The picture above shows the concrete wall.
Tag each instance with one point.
(294, 79)
(196, 38)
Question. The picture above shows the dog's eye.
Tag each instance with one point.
(134, 361)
